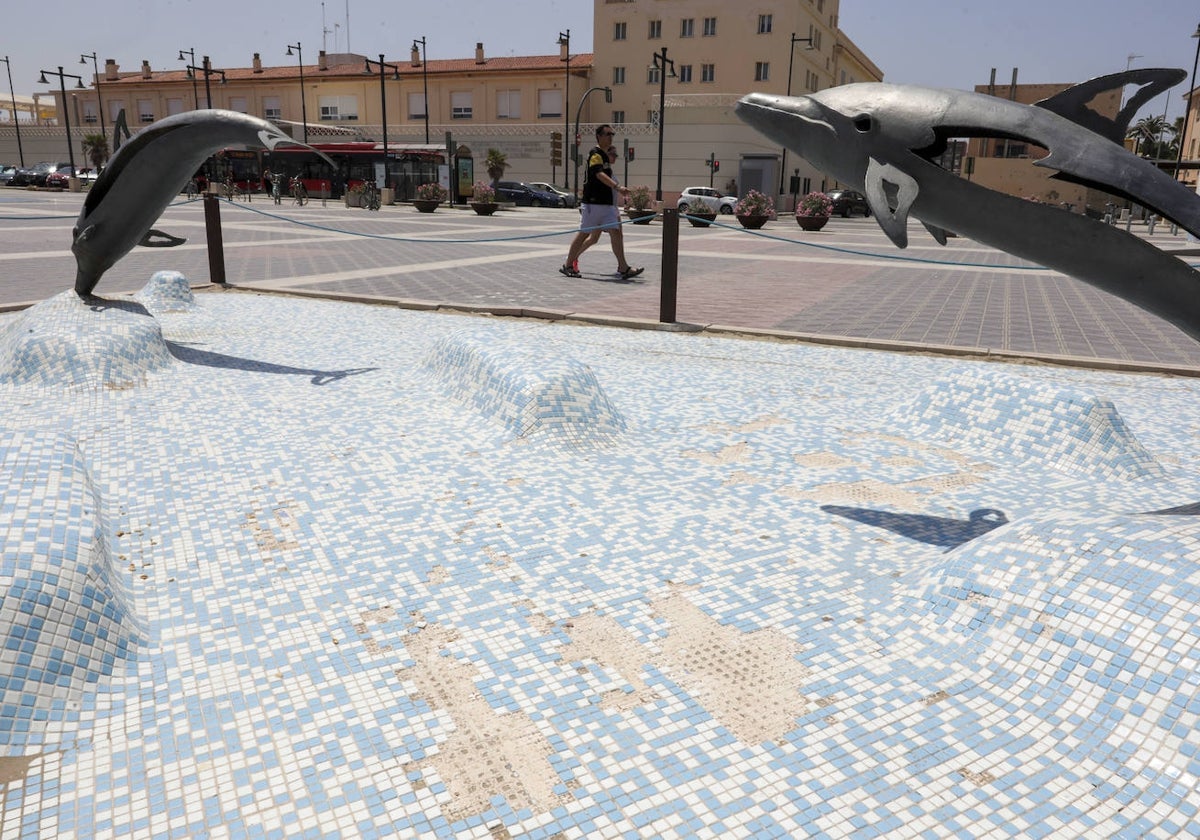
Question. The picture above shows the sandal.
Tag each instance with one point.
(629, 272)
(569, 271)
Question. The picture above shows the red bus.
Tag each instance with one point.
(404, 169)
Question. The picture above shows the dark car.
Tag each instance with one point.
(849, 203)
(36, 175)
(524, 195)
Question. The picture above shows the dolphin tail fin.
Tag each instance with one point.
(894, 223)
(1072, 103)
(158, 239)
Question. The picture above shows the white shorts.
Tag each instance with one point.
(599, 216)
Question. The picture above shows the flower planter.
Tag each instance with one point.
(701, 219)
(484, 208)
(753, 221)
(811, 222)
(425, 205)
(640, 217)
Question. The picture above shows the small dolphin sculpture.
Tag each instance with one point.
(144, 176)
(883, 139)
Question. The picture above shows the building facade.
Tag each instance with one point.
(712, 56)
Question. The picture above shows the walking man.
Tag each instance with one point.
(599, 208)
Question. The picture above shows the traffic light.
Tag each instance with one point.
(716, 166)
(629, 153)
(556, 148)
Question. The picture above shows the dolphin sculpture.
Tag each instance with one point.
(145, 175)
(883, 139)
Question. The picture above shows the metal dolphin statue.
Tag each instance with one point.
(145, 175)
(882, 139)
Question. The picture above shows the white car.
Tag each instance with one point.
(568, 199)
(693, 197)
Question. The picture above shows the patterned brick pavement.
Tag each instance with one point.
(844, 281)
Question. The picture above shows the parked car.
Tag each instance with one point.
(60, 177)
(36, 175)
(849, 203)
(568, 198)
(523, 195)
(6, 174)
(694, 197)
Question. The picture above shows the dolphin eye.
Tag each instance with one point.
(863, 123)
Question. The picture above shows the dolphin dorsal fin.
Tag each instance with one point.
(1072, 103)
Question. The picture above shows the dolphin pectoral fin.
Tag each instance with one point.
(158, 239)
(893, 222)
(936, 232)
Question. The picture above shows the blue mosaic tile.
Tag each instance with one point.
(383, 573)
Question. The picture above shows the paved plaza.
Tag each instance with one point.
(845, 282)
(276, 566)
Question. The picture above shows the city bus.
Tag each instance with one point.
(408, 166)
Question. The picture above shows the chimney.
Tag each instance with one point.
(562, 49)
(416, 55)
(110, 70)
(257, 63)
(322, 61)
(479, 59)
(145, 69)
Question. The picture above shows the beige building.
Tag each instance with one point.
(692, 61)
(713, 56)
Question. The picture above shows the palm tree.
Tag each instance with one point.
(95, 148)
(496, 163)
(1149, 131)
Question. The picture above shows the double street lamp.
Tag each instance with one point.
(191, 60)
(420, 56)
(791, 60)
(383, 67)
(62, 84)
(564, 41)
(207, 69)
(303, 106)
(660, 64)
(1188, 110)
(83, 57)
(16, 117)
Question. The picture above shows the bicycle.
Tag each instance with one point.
(299, 194)
(370, 199)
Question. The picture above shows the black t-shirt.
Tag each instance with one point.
(596, 191)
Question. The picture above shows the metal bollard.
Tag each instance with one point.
(670, 266)
(216, 245)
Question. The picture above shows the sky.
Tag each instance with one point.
(942, 43)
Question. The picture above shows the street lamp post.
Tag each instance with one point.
(564, 41)
(383, 66)
(661, 63)
(207, 69)
(303, 106)
(16, 117)
(191, 60)
(583, 99)
(421, 55)
(1187, 111)
(62, 84)
(96, 75)
(791, 61)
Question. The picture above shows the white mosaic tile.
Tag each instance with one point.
(359, 602)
